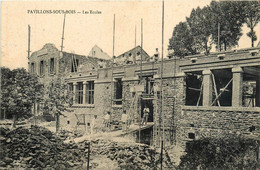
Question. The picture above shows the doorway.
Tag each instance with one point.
(148, 103)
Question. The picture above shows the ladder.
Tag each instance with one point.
(74, 63)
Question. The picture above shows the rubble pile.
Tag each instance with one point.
(130, 156)
(38, 147)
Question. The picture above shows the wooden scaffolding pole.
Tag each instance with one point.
(215, 88)
(201, 87)
(29, 41)
(141, 77)
(222, 91)
(135, 35)
(161, 112)
(62, 38)
(112, 66)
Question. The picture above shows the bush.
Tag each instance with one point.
(222, 153)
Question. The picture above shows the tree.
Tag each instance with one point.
(19, 91)
(200, 26)
(182, 41)
(252, 18)
(58, 98)
(230, 16)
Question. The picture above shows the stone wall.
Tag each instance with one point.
(101, 105)
(129, 99)
(217, 122)
(173, 99)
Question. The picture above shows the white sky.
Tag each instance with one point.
(83, 31)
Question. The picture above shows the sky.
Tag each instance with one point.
(83, 31)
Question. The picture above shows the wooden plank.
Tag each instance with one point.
(215, 88)
(200, 93)
(222, 92)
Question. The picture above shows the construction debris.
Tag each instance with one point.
(38, 147)
(131, 156)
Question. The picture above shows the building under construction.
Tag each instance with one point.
(202, 95)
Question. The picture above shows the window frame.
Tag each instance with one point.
(79, 93)
(52, 65)
(90, 92)
(42, 68)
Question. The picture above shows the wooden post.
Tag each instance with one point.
(29, 40)
(201, 88)
(162, 115)
(62, 38)
(88, 155)
(215, 88)
(135, 35)
(141, 77)
(112, 67)
(161, 155)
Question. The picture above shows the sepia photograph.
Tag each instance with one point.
(130, 84)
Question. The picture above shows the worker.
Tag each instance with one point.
(92, 125)
(124, 121)
(155, 57)
(146, 112)
(107, 119)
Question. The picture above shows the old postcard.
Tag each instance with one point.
(130, 84)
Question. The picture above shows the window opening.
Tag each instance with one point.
(118, 91)
(194, 89)
(52, 65)
(90, 92)
(79, 93)
(41, 68)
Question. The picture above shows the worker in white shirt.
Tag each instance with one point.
(146, 112)
(124, 120)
